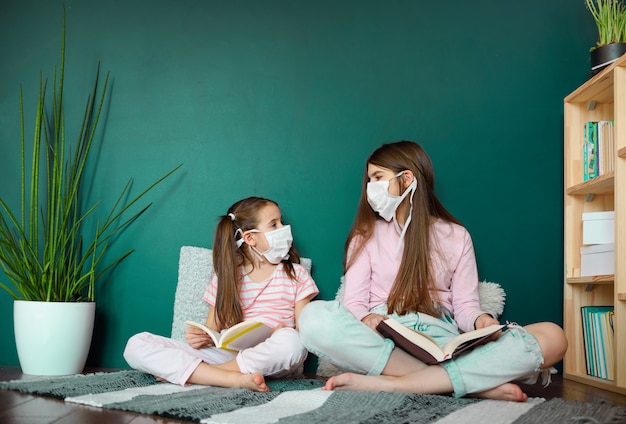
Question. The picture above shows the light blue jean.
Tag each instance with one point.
(330, 331)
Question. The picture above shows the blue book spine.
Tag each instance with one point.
(592, 150)
(585, 150)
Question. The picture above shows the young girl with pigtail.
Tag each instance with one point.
(257, 276)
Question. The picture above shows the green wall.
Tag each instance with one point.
(286, 99)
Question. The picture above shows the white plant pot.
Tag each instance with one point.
(53, 338)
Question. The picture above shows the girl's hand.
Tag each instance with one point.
(485, 320)
(372, 320)
(197, 338)
(278, 327)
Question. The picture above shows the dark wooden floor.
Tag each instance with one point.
(19, 408)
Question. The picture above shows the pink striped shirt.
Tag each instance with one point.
(271, 301)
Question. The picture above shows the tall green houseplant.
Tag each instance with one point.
(46, 252)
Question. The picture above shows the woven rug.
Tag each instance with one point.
(300, 401)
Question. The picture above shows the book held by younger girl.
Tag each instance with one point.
(424, 347)
(238, 337)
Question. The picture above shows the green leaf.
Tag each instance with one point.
(46, 254)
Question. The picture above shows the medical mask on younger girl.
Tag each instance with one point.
(279, 242)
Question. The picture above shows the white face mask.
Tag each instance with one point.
(384, 203)
(279, 242)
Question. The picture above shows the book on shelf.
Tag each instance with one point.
(598, 334)
(610, 337)
(598, 148)
(238, 337)
(589, 150)
(426, 349)
(606, 149)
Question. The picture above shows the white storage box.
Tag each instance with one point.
(599, 227)
(598, 259)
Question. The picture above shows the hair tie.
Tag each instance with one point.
(232, 216)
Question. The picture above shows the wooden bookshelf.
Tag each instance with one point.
(603, 97)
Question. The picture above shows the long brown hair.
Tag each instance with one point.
(410, 291)
(228, 257)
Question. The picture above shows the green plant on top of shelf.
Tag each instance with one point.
(610, 19)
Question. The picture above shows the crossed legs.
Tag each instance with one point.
(404, 373)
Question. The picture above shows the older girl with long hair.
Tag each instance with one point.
(408, 258)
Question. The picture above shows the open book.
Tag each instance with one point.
(424, 347)
(238, 337)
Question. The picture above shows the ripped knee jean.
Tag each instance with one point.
(515, 354)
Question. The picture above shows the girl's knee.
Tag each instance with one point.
(315, 319)
(293, 351)
(552, 341)
(558, 343)
(280, 355)
(135, 346)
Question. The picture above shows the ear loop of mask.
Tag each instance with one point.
(240, 242)
(237, 231)
(412, 188)
(258, 254)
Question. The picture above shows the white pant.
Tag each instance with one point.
(280, 355)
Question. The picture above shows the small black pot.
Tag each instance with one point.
(605, 55)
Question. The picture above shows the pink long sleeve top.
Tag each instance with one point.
(370, 278)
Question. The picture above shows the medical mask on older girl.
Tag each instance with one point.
(279, 242)
(386, 204)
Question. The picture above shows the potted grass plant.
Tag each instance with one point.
(49, 254)
(610, 19)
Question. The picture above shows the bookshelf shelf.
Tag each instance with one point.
(599, 185)
(603, 97)
(597, 382)
(596, 279)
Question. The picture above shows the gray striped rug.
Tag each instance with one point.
(301, 401)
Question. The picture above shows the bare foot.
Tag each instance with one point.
(254, 381)
(350, 381)
(387, 383)
(507, 391)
